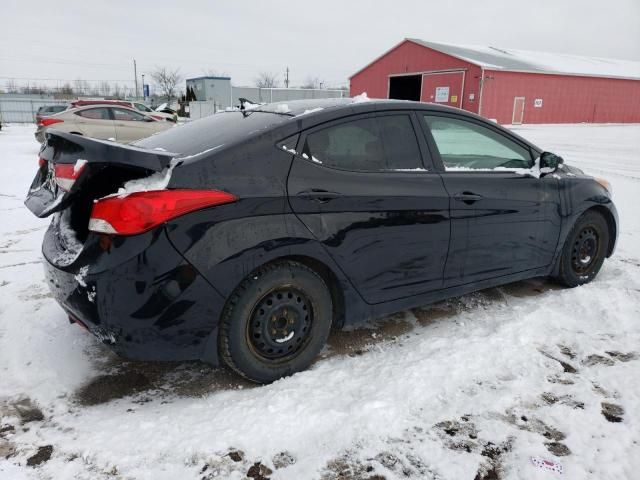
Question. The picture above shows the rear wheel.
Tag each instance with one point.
(584, 250)
(276, 322)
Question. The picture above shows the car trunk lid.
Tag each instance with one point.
(87, 169)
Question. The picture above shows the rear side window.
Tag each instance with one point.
(95, 113)
(120, 114)
(466, 145)
(369, 144)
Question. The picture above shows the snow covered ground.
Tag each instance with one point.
(470, 388)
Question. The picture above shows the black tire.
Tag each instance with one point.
(275, 322)
(584, 250)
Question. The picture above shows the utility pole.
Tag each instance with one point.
(135, 75)
(286, 78)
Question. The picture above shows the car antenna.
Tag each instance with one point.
(243, 108)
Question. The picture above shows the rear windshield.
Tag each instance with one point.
(219, 129)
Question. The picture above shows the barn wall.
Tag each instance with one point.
(565, 98)
(409, 57)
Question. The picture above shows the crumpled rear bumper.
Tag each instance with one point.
(137, 295)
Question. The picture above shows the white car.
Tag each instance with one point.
(105, 122)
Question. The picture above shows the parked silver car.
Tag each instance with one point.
(105, 122)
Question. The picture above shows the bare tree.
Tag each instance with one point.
(211, 72)
(105, 88)
(266, 80)
(81, 87)
(117, 92)
(66, 89)
(312, 82)
(167, 80)
(12, 86)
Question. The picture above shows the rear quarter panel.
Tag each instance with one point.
(228, 242)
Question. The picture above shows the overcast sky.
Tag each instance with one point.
(97, 39)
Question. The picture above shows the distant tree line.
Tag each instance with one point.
(167, 84)
(72, 89)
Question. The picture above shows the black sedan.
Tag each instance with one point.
(245, 236)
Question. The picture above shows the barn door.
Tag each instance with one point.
(445, 88)
(518, 111)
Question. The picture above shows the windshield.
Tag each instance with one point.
(143, 108)
(219, 129)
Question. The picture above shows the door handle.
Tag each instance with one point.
(317, 195)
(467, 197)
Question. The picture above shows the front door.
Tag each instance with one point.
(518, 111)
(504, 219)
(131, 125)
(362, 189)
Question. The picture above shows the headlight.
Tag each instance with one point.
(605, 184)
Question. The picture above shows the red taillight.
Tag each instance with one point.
(157, 117)
(67, 173)
(41, 162)
(141, 211)
(50, 121)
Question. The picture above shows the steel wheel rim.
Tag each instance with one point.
(585, 250)
(279, 326)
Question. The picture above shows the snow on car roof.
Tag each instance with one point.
(509, 59)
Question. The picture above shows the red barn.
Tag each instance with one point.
(510, 86)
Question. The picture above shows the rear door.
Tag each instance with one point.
(360, 185)
(504, 219)
(131, 125)
(96, 123)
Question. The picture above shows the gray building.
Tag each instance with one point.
(211, 89)
(208, 95)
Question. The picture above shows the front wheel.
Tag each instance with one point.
(275, 322)
(584, 250)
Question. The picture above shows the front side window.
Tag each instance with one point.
(95, 113)
(369, 144)
(465, 145)
(120, 114)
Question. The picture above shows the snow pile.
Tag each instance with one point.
(250, 106)
(282, 108)
(67, 237)
(311, 110)
(313, 158)
(156, 181)
(290, 150)
(534, 171)
(361, 98)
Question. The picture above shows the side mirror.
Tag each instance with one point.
(550, 160)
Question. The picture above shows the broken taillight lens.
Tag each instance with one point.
(66, 173)
(141, 211)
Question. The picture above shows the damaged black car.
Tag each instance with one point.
(244, 237)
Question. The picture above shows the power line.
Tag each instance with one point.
(68, 79)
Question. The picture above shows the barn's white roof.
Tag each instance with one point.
(509, 59)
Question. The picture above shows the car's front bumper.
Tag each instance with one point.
(138, 295)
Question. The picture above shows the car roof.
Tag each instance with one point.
(73, 110)
(358, 104)
(100, 102)
(323, 110)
